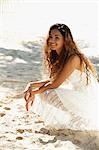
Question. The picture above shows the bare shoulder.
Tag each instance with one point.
(72, 64)
(74, 61)
(75, 58)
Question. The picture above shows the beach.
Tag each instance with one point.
(22, 130)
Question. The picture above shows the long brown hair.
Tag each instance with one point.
(55, 63)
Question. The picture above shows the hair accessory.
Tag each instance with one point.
(62, 28)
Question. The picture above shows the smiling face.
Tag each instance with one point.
(56, 40)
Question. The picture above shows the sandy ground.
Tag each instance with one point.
(22, 130)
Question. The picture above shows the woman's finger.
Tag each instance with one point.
(27, 95)
(27, 104)
(32, 102)
(26, 88)
(30, 99)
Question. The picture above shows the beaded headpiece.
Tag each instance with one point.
(62, 28)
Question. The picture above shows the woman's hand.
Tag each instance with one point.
(33, 88)
(29, 97)
(36, 84)
(29, 86)
(30, 101)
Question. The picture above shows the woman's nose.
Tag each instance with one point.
(52, 40)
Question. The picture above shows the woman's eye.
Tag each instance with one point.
(50, 37)
(57, 37)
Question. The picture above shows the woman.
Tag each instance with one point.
(69, 98)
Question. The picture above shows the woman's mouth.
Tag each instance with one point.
(53, 45)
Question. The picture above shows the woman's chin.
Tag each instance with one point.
(53, 48)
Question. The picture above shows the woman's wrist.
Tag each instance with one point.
(39, 84)
(43, 88)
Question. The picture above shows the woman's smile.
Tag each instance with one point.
(56, 41)
(53, 45)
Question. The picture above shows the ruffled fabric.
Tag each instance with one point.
(72, 105)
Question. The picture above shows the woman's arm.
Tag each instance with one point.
(29, 96)
(73, 63)
(36, 84)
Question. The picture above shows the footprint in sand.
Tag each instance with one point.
(28, 130)
(19, 138)
(20, 130)
(39, 121)
(24, 130)
(2, 114)
(43, 131)
(7, 108)
(48, 141)
(3, 136)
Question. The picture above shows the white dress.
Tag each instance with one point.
(72, 105)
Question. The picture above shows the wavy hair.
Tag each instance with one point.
(55, 62)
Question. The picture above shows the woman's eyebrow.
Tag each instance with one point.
(54, 34)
